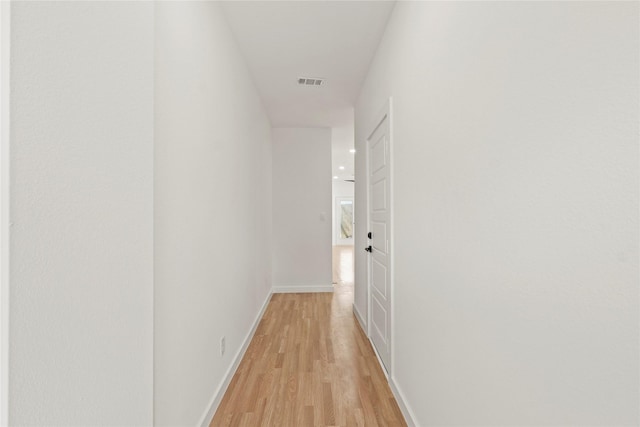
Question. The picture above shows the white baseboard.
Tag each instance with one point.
(207, 417)
(301, 289)
(409, 417)
(363, 324)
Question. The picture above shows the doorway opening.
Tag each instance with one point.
(343, 229)
(344, 221)
(343, 271)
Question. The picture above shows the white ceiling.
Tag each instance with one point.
(284, 40)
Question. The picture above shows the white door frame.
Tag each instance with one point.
(384, 113)
(5, 33)
(338, 220)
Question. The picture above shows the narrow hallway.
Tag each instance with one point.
(174, 174)
(310, 363)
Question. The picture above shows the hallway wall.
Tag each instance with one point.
(515, 129)
(212, 207)
(81, 189)
(302, 209)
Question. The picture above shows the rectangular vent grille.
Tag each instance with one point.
(306, 81)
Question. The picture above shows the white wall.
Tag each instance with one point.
(5, 35)
(212, 207)
(302, 209)
(81, 350)
(516, 209)
(339, 188)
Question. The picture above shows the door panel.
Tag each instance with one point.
(379, 316)
(379, 277)
(378, 160)
(379, 225)
(379, 236)
(379, 196)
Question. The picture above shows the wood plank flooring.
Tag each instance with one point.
(309, 364)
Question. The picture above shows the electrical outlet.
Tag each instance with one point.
(223, 345)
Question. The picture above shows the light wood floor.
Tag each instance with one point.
(343, 265)
(310, 364)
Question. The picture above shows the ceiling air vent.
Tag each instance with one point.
(308, 81)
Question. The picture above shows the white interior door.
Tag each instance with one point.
(379, 239)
